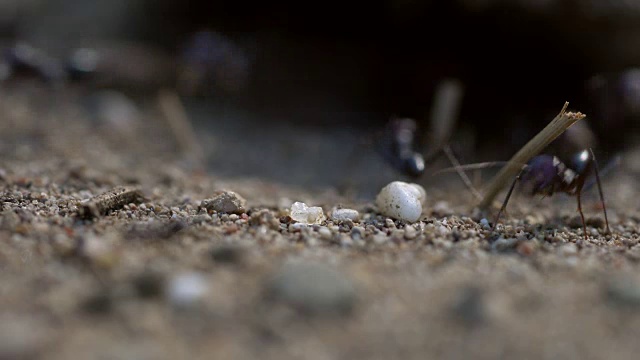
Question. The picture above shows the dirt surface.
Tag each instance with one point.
(169, 277)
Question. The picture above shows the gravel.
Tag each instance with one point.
(444, 286)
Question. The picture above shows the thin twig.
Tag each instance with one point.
(463, 175)
(556, 127)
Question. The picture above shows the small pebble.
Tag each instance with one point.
(402, 201)
(389, 224)
(227, 202)
(312, 289)
(380, 238)
(410, 233)
(186, 290)
(202, 218)
(325, 233)
(357, 232)
(345, 214)
(304, 214)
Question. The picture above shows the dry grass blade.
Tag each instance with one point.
(556, 127)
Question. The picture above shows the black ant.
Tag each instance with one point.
(547, 175)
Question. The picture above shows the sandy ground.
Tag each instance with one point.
(165, 278)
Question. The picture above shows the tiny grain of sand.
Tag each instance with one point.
(164, 277)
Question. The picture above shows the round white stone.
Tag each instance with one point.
(402, 201)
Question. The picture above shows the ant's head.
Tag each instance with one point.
(540, 174)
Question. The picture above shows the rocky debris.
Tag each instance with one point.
(227, 202)
(304, 214)
(402, 201)
(312, 289)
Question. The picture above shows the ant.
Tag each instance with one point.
(547, 175)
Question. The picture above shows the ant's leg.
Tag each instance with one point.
(604, 207)
(584, 225)
(506, 200)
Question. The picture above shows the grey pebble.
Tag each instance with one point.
(345, 214)
(357, 232)
(227, 202)
(502, 244)
(312, 289)
(202, 218)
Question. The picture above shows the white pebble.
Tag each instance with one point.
(304, 214)
(402, 201)
(187, 289)
(344, 214)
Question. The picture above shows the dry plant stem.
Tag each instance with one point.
(465, 179)
(443, 116)
(556, 127)
(173, 110)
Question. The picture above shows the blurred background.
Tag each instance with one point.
(303, 93)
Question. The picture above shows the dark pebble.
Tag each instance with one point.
(149, 285)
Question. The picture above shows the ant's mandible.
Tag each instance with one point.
(547, 175)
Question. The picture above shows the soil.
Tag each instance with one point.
(162, 277)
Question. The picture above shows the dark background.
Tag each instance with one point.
(299, 80)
